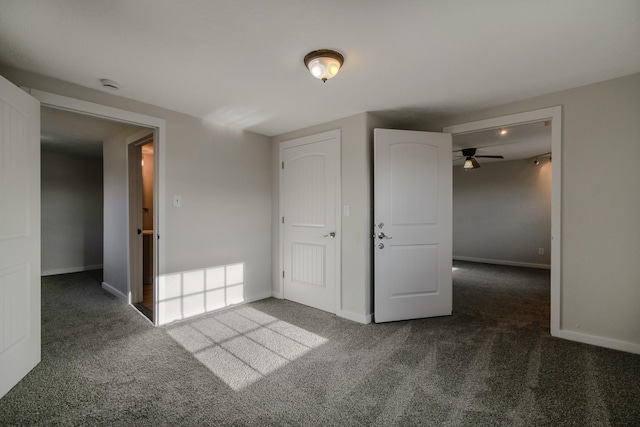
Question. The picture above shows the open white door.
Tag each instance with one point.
(19, 234)
(413, 224)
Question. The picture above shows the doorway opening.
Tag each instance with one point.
(71, 191)
(119, 230)
(548, 159)
(141, 205)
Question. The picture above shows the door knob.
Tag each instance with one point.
(383, 236)
(381, 246)
(139, 231)
(332, 234)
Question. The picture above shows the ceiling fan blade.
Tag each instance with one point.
(459, 158)
(491, 157)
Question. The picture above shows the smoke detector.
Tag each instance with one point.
(110, 84)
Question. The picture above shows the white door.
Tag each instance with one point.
(413, 224)
(310, 177)
(19, 234)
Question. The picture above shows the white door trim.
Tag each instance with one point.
(555, 115)
(97, 110)
(134, 206)
(303, 141)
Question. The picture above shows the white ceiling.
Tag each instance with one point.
(72, 133)
(520, 142)
(239, 63)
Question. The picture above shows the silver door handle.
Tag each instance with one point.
(332, 235)
(383, 236)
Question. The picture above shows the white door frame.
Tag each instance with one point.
(303, 141)
(555, 115)
(102, 111)
(134, 207)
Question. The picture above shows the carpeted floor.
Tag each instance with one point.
(275, 362)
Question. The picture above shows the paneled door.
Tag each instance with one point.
(19, 234)
(413, 224)
(310, 177)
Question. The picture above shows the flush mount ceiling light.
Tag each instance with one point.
(324, 63)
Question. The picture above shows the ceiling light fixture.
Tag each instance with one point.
(536, 159)
(324, 63)
(503, 131)
(471, 163)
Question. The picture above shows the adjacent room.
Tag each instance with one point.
(357, 213)
(502, 219)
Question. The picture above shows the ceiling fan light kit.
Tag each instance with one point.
(323, 64)
(470, 161)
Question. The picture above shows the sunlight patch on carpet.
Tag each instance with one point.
(186, 294)
(244, 345)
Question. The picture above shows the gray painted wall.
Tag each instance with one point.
(355, 171)
(502, 213)
(357, 192)
(600, 296)
(224, 177)
(71, 196)
(226, 181)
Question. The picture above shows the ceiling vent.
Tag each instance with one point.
(110, 84)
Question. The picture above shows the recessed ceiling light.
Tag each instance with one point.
(503, 131)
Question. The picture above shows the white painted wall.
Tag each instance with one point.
(224, 177)
(116, 215)
(502, 213)
(71, 213)
(600, 291)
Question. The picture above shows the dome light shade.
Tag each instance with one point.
(324, 63)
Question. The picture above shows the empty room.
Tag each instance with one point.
(312, 213)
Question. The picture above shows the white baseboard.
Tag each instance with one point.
(258, 297)
(190, 316)
(116, 293)
(599, 341)
(66, 270)
(355, 317)
(502, 262)
(276, 294)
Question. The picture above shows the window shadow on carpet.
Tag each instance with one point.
(244, 345)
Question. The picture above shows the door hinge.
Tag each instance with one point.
(282, 165)
(283, 220)
(283, 274)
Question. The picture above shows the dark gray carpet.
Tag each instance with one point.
(275, 362)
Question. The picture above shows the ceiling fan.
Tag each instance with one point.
(469, 154)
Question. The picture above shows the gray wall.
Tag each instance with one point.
(71, 196)
(502, 213)
(355, 183)
(356, 170)
(600, 295)
(223, 175)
